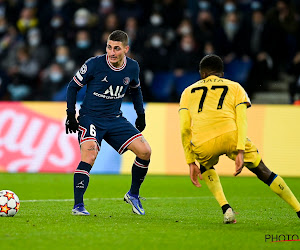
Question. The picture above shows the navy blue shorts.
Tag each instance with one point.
(116, 131)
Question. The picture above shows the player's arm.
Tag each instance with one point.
(185, 129)
(78, 81)
(241, 122)
(186, 136)
(137, 99)
(135, 92)
(71, 122)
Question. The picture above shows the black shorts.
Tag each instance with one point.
(116, 131)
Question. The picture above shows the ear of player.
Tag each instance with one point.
(71, 123)
(140, 122)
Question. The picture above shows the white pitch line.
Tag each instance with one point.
(113, 199)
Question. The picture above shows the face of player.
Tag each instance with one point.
(116, 52)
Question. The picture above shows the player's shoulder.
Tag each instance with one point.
(132, 63)
(192, 86)
(231, 83)
(96, 59)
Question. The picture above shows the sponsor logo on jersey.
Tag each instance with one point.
(83, 69)
(126, 80)
(111, 93)
(104, 79)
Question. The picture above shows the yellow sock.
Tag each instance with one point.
(213, 182)
(279, 187)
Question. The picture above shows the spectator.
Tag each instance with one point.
(185, 27)
(27, 20)
(9, 45)
(111, 23)
(156, 55)
(282, 19)
(38, 51)
(64, 60)
(53, 80)
(24, 75)
(156, 30)
(231, 38)
(134, 34)
(259, 42)
(105, 7)
(186, 57)
(83, 48)
(205, 27)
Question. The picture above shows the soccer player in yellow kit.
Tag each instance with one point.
(213, 122)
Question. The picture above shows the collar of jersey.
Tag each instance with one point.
(114, 68)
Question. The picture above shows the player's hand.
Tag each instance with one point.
(239, 162)
(140, 122)
(195, 174)
(71, 124)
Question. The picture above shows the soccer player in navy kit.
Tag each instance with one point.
(107, 78)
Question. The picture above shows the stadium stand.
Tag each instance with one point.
(258, 40)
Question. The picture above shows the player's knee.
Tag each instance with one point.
(89, 158)
(145, 153)
(89, 153)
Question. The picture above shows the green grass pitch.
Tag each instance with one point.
(178, 215)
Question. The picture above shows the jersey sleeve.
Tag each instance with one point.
(241, 122)
(242, 97)
(185, 128)
(184, 101)
(84, 74)
(81, 78)
(135, 82)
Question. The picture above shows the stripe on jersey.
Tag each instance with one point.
(78, 83)
(128, 142)
(113, 67)
(78, 171)
(79, 76)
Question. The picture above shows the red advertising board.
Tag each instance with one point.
(33, 138)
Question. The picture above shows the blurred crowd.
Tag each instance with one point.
(43, 43)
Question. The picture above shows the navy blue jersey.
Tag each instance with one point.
(106, 87)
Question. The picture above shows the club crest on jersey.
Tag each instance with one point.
(126, 80)
(83, 69)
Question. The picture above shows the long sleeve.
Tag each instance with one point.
(185, 128)
(137, 99)
(72, 91)
(80, 79)
(241, 122)
(186, 135)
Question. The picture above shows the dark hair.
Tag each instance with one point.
(211, 64)
(120, 36)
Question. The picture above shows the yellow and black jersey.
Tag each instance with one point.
(211, 109)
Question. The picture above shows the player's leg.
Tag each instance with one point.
(213, 182)
(253, 161)
(122, 136)
(89, 151)
(142, 150)
(277, 185)
(208, 155)
(89, 147)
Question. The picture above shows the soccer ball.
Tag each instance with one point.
(9, 203)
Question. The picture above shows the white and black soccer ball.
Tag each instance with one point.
(9, 203)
